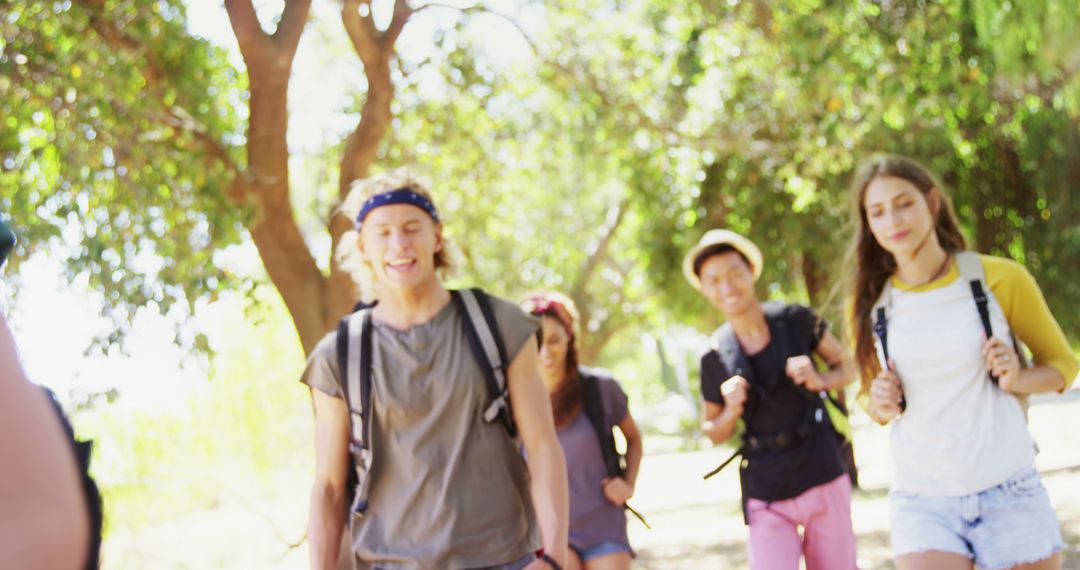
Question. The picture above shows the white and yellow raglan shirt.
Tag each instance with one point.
(961, 434)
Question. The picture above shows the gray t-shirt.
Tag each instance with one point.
(448, 490)
(593, 519)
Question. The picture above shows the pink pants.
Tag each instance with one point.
(823, 512)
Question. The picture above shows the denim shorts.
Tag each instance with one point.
(998, 528)
(601, 549)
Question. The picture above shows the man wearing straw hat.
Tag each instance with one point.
(760, 385)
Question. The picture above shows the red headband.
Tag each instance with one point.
(542, 305)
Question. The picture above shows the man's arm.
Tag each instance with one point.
(328, 509)
(44, 522)
(718, 426)
(841, 367)
(722, 419)
(547, 466)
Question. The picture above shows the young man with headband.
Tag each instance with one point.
(441, 481)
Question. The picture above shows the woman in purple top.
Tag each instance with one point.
(597, 513)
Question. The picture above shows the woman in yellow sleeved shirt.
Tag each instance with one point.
(965, 491)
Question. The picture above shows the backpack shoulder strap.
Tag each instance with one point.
(354, 347)
(730, 352)
(354, 353)
(593, 404)
(482, 333)
(879, 314)
(971, 270)
(780, 326)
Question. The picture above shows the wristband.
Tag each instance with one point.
(550, 561)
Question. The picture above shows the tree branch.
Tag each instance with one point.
(178, 118)
(250, 36)
(763, 19)
(173, 116)
(742, 141)
(593, 341)
(293, 19)
(599, 253)
(402, 11)
(479, 8)
(361, 31)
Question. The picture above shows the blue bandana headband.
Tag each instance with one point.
(399, 196)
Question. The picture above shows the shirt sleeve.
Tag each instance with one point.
(1029, 316)
(321, 372)
(615, 401)
(713, 375)
(810, 327)
(516, 326)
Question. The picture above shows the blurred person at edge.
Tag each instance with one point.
(45, 515)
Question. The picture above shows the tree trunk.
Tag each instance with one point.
(375, 49)
(815, 279)
(265, 184)
(361, 149)
(281, 246)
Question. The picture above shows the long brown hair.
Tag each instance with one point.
(871, 265)
(566, 400)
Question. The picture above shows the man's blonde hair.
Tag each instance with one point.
(348, 254)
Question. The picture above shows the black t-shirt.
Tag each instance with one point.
(776, 406)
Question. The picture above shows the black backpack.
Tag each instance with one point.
(354, 346)
(593, 405)
(735, 361)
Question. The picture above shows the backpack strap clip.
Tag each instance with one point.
(480, 327)
(881, 331)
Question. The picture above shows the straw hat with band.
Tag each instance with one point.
(714, 240)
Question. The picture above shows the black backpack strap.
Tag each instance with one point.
(482, 334)
(354, 346)
(730, 353)
(984, 313)
(727, 461)
(592, 402)
(342, 342)
(354, 353)
(881, 330)
(981, 304)
(783, 337)
(735, 363)
(793, 340)
(365, 377)
(971, 270)
(593, 405)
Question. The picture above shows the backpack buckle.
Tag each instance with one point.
(495, 408)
